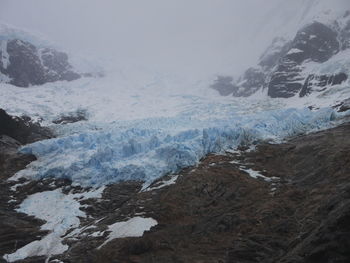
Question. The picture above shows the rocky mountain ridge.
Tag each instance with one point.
(298, 67)
(24, 61)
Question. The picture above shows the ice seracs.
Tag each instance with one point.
(148, 149)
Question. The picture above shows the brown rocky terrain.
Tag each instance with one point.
(216, 212)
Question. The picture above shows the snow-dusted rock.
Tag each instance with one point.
(316, 43)
(289, 66)
(25, 61)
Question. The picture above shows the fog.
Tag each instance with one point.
(192, 36)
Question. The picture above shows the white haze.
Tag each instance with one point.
(187, 36)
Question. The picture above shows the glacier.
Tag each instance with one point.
(147, 149)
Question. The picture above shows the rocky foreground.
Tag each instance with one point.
(296, 209)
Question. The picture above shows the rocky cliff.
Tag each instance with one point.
(308, 63)
(24, 61)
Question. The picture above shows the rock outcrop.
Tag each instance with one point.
(23, 64)
(16, 229)
(288, 68)
(22, 129)
(314, 43)
(224, 85)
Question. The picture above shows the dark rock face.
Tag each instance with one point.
(22, 129)
(80, 115)
(57, 63)
(316, 43)
(253, 80)
(344, 106)
(286, 80)
(321, 82)
(345, 33)
(224, 85)
(16, 229)
(282, 69)
(278, 48)
(28, 65)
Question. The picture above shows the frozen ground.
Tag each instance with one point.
(128, 94)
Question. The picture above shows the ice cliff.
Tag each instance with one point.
(149, 148)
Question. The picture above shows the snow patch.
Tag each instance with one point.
(163, 183)
(134, 227)
(295, 51)
(14, 187)
(256, 174)
(61, 213)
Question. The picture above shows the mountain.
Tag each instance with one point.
(140, 166)
(313, 61)
(25, 60)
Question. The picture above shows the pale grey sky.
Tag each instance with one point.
(194, 35)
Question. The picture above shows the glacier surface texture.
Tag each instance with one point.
(147, 149)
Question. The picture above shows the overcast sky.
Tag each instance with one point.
(194, 35)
